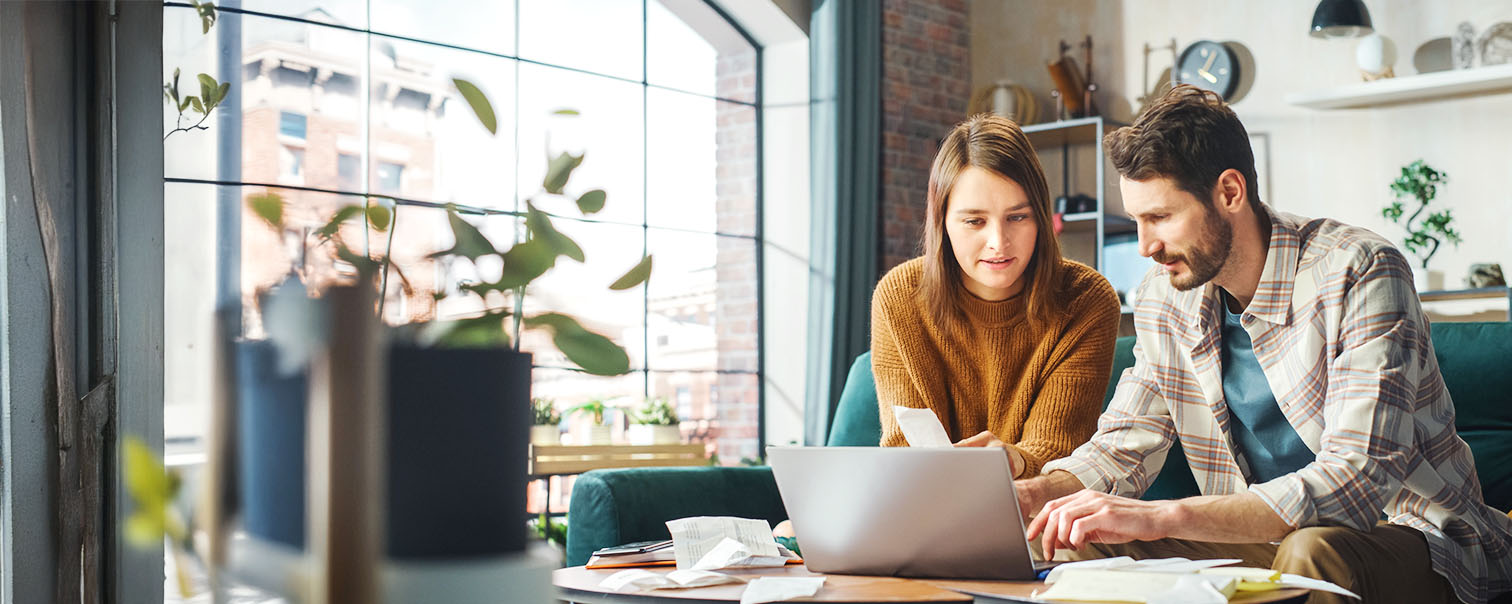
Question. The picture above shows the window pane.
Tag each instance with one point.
(600, 36)
(608, 130)
(722, 410)
(701, 304)
(427, 142)
(571, 388)
(582, 291)
(349, 13)
(299, 87)
(690, 47)
(701, 165)
(481, 24)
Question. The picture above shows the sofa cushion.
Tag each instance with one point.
(614, 507)
(1476, 362)
(856, 421)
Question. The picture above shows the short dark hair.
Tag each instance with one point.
(1189, 136)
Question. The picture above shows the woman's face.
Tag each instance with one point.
(990, 225)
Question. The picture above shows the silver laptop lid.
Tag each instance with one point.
(901, 511)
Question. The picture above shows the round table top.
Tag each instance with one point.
(578, 584)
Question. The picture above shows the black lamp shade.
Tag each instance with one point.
(1341, 19)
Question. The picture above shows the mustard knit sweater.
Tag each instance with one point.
(1040, 391)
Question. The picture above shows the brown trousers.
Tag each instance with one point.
(1388, 563)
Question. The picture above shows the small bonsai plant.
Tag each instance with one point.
(1419, 183)
(655, 412)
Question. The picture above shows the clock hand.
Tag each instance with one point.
(1209, 64)
(1207, 76)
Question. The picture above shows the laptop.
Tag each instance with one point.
(943, 513)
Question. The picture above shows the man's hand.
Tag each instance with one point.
(1034, 493)
(986, 439)
(1088, 516)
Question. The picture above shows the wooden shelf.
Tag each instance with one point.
(1484, 293)
(547, 460)
(1409, 89)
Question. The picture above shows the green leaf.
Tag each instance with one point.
(635, 276)
(333, 226)
(565, 111)
(541, 228)
(185, 104)
(558, 170)
(476, 332)
(523, 263)
(146, 479)
(596, 354)
(469, 241)
(364, 264)
(380, 216)
(145, 529)
(195, 102)
(592, 201)
(269, 207)
(220, 93)
(479, 103)
(208, 86)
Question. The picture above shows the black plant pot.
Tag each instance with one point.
(459, 426)
(458, 430)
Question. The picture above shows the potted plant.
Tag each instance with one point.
(458, 391)
(1419, 183)
(599, 433)
(545, 428)
(655, 423)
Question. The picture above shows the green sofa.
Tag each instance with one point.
(611, 507)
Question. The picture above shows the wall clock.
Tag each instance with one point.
(1209, 65)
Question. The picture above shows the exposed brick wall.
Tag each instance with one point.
(737, 406)
(925, 88)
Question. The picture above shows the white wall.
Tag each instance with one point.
(1334, 163)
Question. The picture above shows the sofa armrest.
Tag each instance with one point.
(613, 507)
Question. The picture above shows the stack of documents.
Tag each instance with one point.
(1168, 581)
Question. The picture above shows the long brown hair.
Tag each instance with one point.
(992, 143)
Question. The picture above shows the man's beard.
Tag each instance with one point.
(1206, 258)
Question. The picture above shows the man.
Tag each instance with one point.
(1292, 360)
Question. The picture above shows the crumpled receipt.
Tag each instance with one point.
(1168, 581)
(921, 428)
(640, 579)
(777, 589)
(715, 542)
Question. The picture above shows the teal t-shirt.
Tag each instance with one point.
(1261, 432)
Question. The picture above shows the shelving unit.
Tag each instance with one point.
(1409, 89)
(1062, 136)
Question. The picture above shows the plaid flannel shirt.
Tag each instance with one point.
(1340, 335)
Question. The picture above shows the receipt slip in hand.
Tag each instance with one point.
(920, 427)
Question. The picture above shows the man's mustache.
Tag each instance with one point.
(1165, 258)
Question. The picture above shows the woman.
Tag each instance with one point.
(1008, 343)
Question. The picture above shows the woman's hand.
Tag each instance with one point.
(784, 529)
(986, 439)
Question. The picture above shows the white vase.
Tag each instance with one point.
(545, 435)
(600, 435)
(1427, 279)
(646, 434)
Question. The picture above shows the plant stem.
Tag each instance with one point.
(387, 258)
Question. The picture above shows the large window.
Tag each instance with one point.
(333, 101)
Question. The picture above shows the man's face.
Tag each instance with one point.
(1184, 234)
(991, 229)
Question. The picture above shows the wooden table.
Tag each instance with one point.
(581, 585)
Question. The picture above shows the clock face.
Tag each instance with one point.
(1209, 65)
